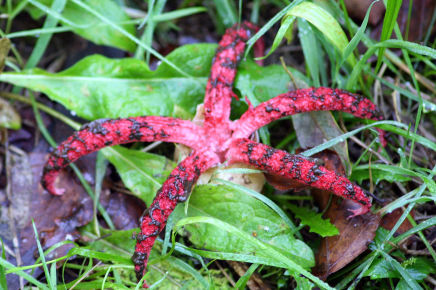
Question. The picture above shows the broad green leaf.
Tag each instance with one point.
(98, 87)
(88, 26)
(143, 173)
(247, 214)
(262, 248)
(263, 83)
(315, 222)
(264, 199)
(303, 283)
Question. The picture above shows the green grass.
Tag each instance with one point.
(402, 173)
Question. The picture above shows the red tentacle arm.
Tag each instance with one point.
(297, 168)
(175, 189)
(219, 86)
(306, 100)
(107, 132)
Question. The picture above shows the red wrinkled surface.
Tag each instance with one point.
(218, 140)
(301, 101)
(296, 167)
(175, 189)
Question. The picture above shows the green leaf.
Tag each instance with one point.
(42, 257)
(263, 199)
(262, 248)
(263, 83)
(325, 23)
(315, 222)
(419, 267)
(229, 205)
(143, 173)
(303, 283)
(98, 87)
(43, 41)
(88, 26)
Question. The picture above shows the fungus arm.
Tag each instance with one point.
(298, 168)
(107, 132)
(174, 190)
(219, 86)
(306, 100)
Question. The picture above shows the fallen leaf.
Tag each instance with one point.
(56, 217)
(9, 118)
(390, 219)
(422, 12)
(125, 210)
(355, 233)
(315, 128)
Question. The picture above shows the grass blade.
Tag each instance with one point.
(389, 21)
(41, 255)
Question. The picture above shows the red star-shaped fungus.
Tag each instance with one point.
(219, 140)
